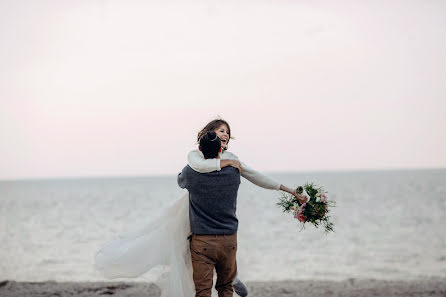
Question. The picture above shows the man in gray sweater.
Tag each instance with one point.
(213, 222)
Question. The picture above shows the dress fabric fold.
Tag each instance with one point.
(162, 242)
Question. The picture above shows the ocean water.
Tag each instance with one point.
(388, 225)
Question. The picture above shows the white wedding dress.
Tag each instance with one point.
(163, 242)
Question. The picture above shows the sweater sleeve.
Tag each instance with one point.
(257, 178)
(198, 163)
(181, 179)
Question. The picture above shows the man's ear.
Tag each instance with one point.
(199, 148)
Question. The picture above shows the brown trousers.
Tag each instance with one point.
(209, 252)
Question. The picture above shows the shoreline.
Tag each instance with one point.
(350, 287)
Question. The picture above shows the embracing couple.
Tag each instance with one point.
(213, 222)
(212, 215)
(207, 211)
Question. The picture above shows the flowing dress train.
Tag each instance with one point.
(161, 242)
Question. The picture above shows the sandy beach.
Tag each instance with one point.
(350, 287)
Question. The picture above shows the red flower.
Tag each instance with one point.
(299, 213)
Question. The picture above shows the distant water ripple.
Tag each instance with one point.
(389, 225)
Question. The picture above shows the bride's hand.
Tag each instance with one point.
(237, 164)
(301, 198)
(233, 163)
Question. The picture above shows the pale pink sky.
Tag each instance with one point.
(99, 88)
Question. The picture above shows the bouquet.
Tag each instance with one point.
(314, 211)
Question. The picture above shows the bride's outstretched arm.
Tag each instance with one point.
(259, 179)
(198, 163)
(267, 182)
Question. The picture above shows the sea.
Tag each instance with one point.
(388, 225)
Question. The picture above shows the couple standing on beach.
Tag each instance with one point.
(207, 211)
(213, 222)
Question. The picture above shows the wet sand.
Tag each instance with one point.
(350, 287)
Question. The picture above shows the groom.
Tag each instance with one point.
(212, 206)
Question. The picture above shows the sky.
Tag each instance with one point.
(121, 88)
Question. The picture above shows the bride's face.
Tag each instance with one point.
(223, 134)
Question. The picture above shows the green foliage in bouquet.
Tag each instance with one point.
(312, 190)
(314, 211)
(287, 202)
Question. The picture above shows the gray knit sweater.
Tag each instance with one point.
(212, 200)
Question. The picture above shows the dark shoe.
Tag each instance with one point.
(240, 288)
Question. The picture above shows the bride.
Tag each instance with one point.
(164, 241)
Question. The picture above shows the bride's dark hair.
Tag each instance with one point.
(212, 126)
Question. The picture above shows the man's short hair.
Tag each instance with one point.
(210, 145)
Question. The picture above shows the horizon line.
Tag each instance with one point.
(73, 177)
